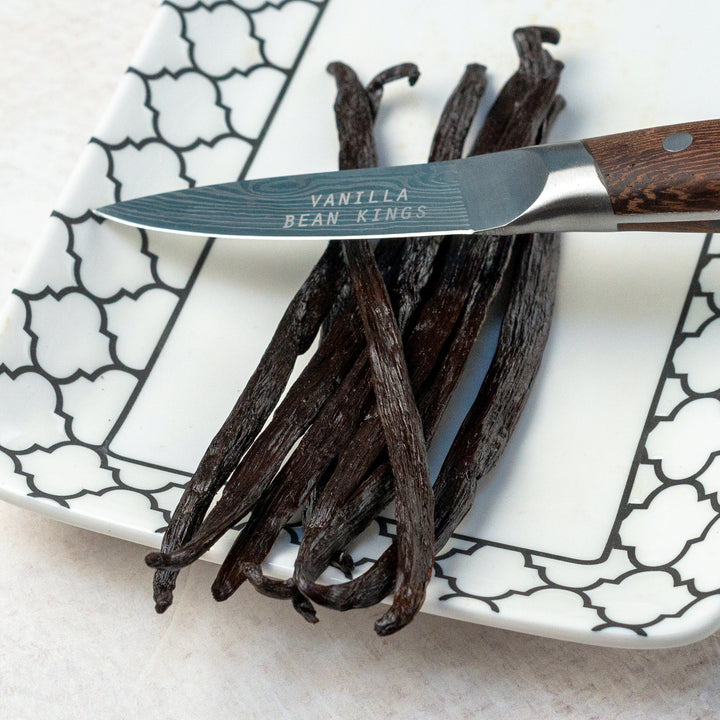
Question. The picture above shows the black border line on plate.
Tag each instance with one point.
(206, 250)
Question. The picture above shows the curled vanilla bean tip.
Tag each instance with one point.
(533, 57)
(545, 33)
(279, 589)
(345, 564)
(222, 590)
(163, 600)
(156, 560)
(375, 87)
(396, 72)
(306, 609)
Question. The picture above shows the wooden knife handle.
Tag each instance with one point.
(670, 169)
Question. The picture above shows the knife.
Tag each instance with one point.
(664, 178)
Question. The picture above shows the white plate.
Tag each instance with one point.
(122, 352)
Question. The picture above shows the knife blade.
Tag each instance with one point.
(664, 178)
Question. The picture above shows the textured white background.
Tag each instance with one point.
(78, 634)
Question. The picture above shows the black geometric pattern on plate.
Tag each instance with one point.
(193, 108)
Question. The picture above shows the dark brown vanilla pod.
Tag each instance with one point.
(458, 114)
(531, 87)
(395, 403)
(296, 331)
(403, 431)
(489, 424)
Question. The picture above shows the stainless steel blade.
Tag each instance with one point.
(550, 187)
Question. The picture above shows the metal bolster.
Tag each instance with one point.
(574, 196)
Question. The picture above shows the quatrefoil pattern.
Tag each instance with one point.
(86, 324)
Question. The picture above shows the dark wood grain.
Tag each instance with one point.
(642, 177)
(696, 226)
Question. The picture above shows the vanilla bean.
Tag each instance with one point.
(533, 86)
(402, 428)
(493, 416)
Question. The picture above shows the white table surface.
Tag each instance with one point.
(79, 637)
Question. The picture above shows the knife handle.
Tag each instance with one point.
(670, 169)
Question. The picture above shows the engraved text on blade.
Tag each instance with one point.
(390, 205)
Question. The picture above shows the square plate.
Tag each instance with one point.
(122, 351)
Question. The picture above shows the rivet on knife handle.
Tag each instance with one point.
(663, 178)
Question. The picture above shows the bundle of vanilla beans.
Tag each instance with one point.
(396, 326)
